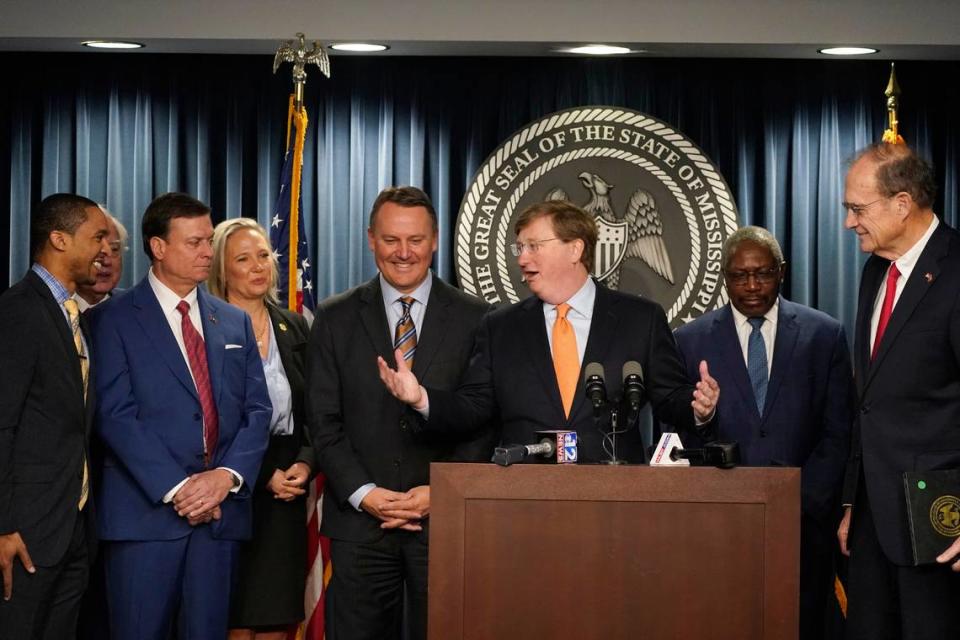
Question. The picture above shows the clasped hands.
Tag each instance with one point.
(398, 510)
(198, 500)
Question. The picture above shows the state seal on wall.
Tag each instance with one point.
(662, 208)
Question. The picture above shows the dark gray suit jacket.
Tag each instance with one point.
(44, 423)
(360, 432)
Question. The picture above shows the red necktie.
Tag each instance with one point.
(197, 355)
(887, 309)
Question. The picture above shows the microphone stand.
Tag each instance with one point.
(614, 429)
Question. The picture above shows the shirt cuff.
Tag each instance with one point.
(168, 497)
(697, 421)
(425, 411)
(237, 479)
(357, 496)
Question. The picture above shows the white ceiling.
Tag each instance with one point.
(918, 29)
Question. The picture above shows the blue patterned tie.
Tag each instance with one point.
(757, 362)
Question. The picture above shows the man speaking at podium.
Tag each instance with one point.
(525, 369)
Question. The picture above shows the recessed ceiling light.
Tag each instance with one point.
(359, 47)
(111, 44)
(848, 51)
(598, 50)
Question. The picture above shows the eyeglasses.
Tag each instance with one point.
(761, 276)
(860, 209)
(533, 246)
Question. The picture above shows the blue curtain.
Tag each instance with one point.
(123, 128)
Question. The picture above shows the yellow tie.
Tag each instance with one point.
(73, 311)
(566, 362)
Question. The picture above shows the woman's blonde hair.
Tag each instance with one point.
(217, 280)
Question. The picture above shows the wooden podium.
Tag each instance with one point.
(592, 551)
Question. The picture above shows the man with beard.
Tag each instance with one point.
(46, 410)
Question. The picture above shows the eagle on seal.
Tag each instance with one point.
(644, 227)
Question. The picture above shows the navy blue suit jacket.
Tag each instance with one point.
(150, 419)
(808, 410)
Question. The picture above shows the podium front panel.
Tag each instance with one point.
(589, 551)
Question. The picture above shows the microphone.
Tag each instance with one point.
(725, 455)
(552, 446)
(633, 388)
(595, 385)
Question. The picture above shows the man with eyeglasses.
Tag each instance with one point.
(525, 372)
(785, 369)
(907, 363)
(90, 295)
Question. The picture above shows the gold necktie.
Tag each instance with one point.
(566, 362)
(74, 312)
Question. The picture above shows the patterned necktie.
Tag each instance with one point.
(197, 356)
(566, 361)
(757, 362)
(405, 335)
(887, 309)
(73, 311)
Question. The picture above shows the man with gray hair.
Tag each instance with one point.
(789, 393)
(89, 295)
(907, 358)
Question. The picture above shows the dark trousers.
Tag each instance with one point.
(890, 602)
(45, 604)
(817, 545)
(154, 584)
(373, 584)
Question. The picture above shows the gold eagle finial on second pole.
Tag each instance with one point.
(300, 58)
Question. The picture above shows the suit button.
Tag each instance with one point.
(197, 416)
(404, 424)
(396, 462)
(763, 434)
(865, 409)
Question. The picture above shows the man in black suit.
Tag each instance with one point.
(525, 371)
(377, 469)
(46, 409)
(907, 367)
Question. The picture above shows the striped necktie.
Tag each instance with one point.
(405, 335)
(197, 359)
(73, 312)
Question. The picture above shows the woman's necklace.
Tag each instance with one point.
(262, 332)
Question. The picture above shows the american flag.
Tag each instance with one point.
(295, 290)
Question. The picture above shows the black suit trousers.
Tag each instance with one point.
(45, 604)
(890, 602)
(373, 584)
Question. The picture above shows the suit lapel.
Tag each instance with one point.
(533, 334)
(374, 319)
(214, 342)
(913, 292)
(783, 346)
(436, 321)
(603, 329)
(59, 320)
(285, 342)
(731, 354)
(155, 327)
(873, 273)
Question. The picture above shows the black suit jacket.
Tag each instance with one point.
(908, 416)
(512, 381)
(361, 433)
(44, 421)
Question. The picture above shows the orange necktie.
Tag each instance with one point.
(566, 362)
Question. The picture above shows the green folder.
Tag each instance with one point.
(933, 508)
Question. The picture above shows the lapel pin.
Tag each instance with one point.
(283, 327)
(212, 318)
(928, 277)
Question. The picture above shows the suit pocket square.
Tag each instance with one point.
(234, 346)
